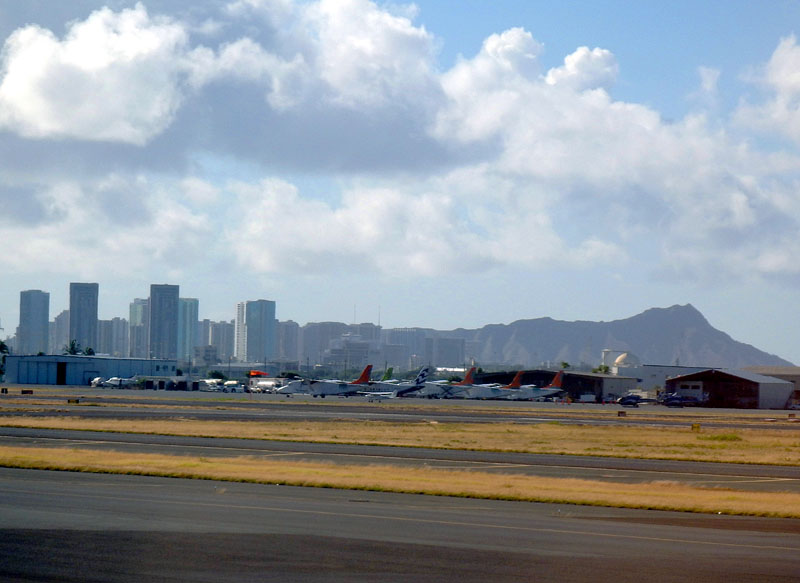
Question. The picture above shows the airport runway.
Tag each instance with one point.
(61, 526)
(128, 404)
(750, 477)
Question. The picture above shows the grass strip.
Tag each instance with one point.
(660, 495)
(752, 446)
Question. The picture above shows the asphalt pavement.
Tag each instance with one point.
(750, 477)
(62, 526)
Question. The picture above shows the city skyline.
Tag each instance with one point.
(141, 344)
(431, 164)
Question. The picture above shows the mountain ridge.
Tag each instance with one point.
(679, 334)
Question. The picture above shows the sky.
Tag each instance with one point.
(440, 164)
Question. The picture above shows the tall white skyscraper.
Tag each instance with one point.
(240, 333)
(256, 331)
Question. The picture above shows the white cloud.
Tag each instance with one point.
(118, 226)
(489, 165)
(585, 69)
(367, 56)
(199, 191)
(114, 77)
(780, 113)
(375, 230)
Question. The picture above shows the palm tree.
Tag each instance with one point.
(72, 348)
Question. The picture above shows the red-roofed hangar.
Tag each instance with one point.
(733, 388)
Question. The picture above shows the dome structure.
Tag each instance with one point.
(627, 359)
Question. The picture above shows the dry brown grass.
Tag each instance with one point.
(657, 495)
(776, 447)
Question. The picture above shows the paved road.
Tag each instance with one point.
(61, 526)
(749, 477)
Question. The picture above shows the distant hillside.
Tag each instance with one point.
(676, 335)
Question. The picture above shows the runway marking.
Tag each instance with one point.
(440, 522)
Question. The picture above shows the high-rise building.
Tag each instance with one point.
(187, 327)
(83, 314)
(256, 331)
(445, 351)
(316, 338)
(163, 329)
(288, 340)
(59, 332)
(413, 339)
(240, 333)
(34, 322)
(113, 337)
(221, 336)
(203, 334)
(138, 324)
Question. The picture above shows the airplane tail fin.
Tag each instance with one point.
(364, 378)
(388, 374)
(517, 382)
(556, 382)
(422, 376)
(468, 378)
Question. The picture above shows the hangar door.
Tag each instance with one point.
(61, 373)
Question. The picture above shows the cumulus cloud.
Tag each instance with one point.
(114, 77)
(489, 165)
(780, 78)
(114, 227)
(585, 69)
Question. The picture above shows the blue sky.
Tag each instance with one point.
(444, 164)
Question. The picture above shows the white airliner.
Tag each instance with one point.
(392, 390)
(493, 390)
(515, 390)
(532, 392)
(324, 388)
(447, 390)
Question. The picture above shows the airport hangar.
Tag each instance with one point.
(80, 370)
(579, 386)
(739, 389)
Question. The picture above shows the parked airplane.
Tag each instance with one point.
(447, 390)
(392, 390)
(297, 386)
(324, 388)
(532, 392)
(387, 376)
(118, 382)
(515, 390)
(494, 390)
